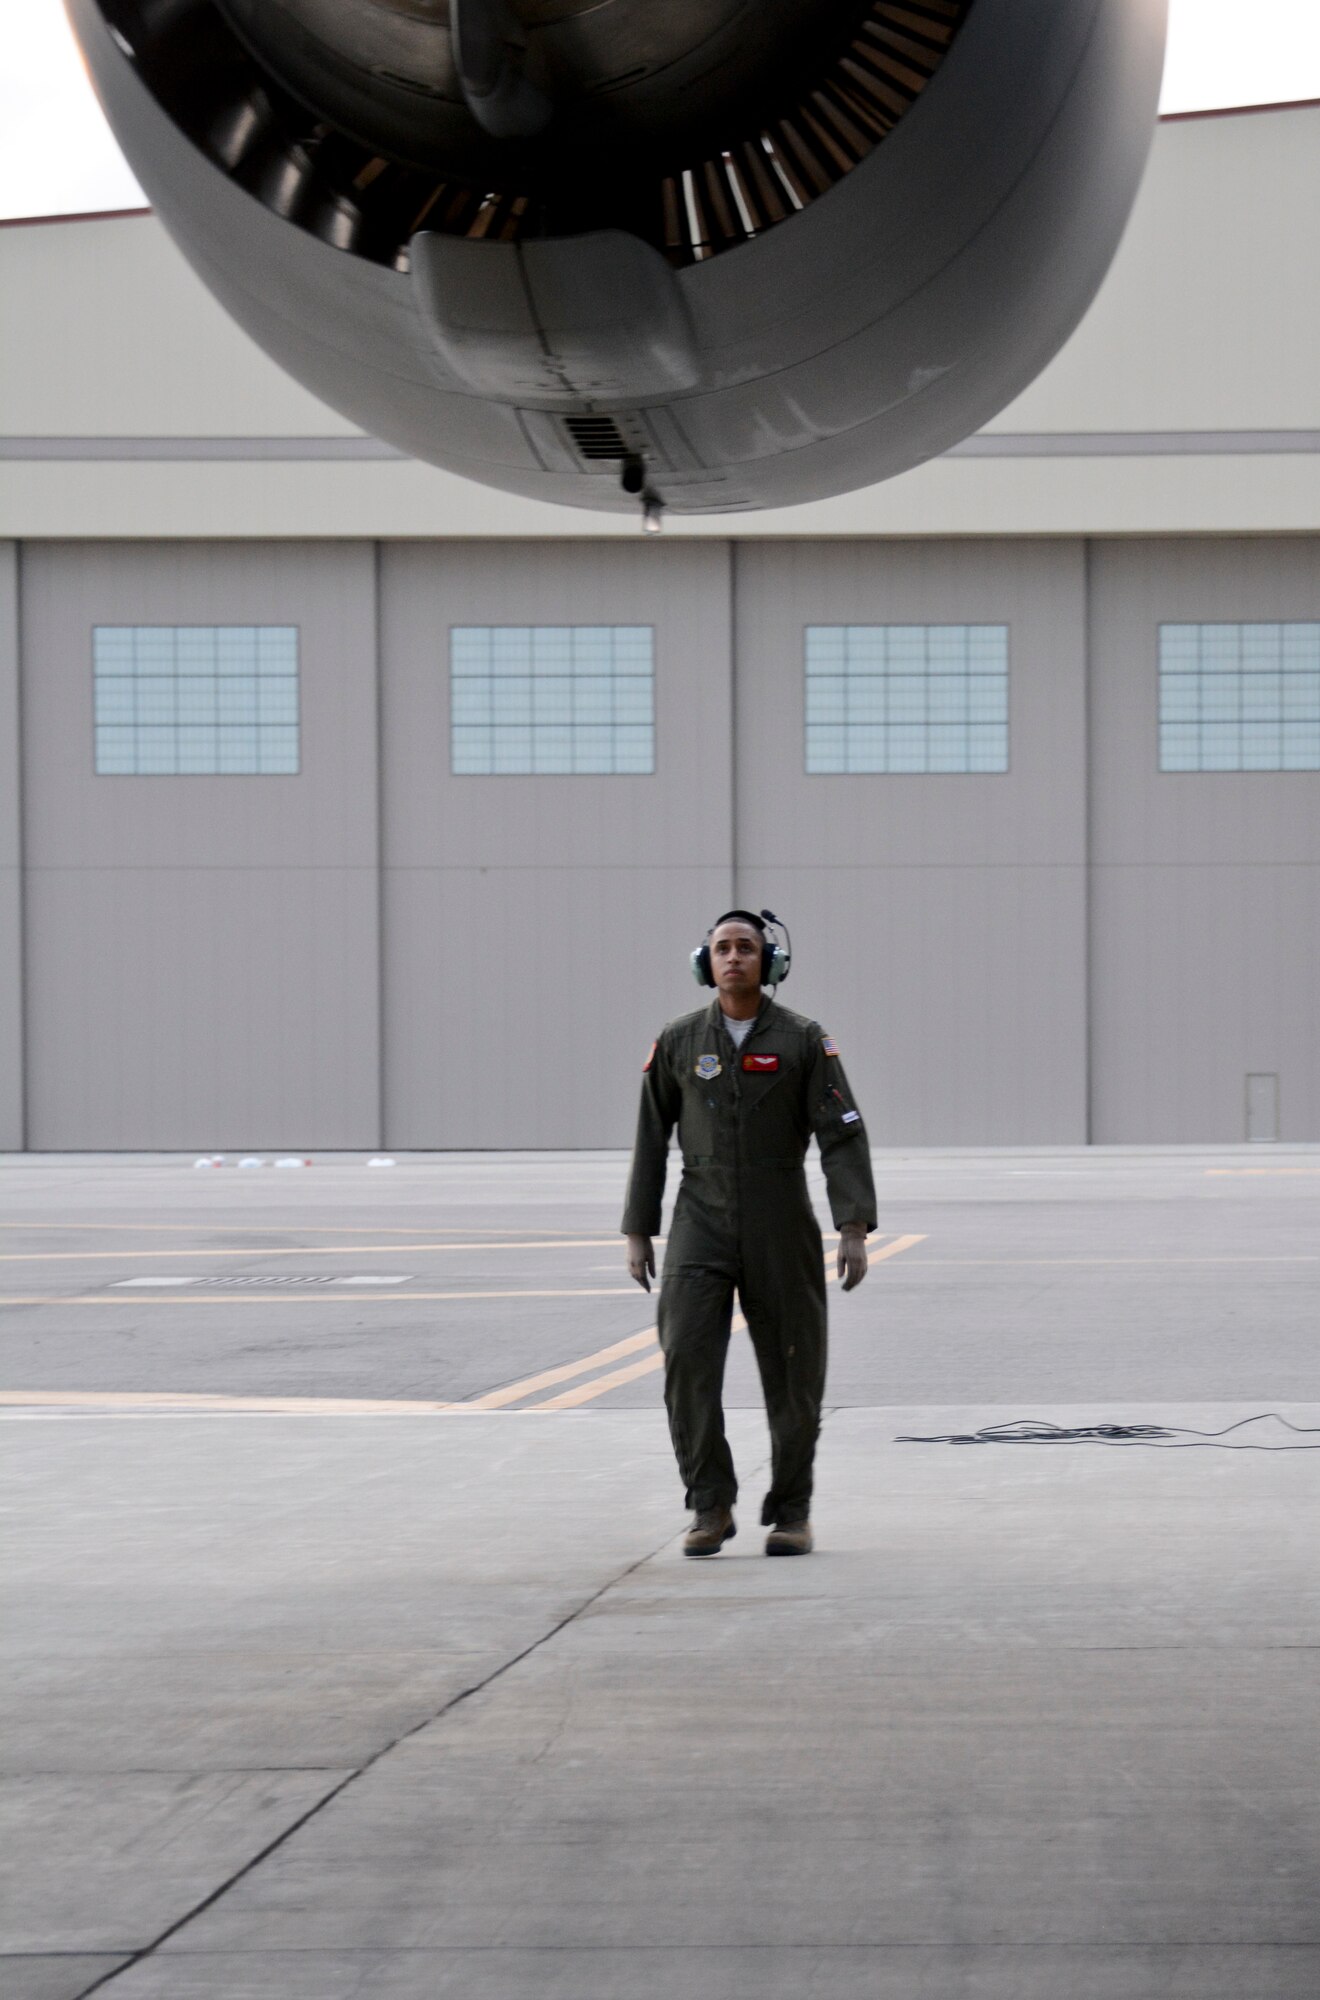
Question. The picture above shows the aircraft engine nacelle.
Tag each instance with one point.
(709, 254)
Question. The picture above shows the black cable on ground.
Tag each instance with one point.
(1035, 1430)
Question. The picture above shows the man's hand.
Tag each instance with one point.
(853, 1260)
(641, 1260)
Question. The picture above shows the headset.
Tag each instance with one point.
(776, 958)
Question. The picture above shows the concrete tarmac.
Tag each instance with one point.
(307, 1699)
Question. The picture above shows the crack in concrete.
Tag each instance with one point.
(336, 1791)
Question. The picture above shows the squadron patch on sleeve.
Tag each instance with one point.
(707, 1067)
(650, 1058)
(830, 1046)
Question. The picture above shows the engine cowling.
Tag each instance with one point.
(719, 254)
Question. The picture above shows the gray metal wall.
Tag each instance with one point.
(1205, 922)
(378, 952)
(11, 880)
(202, 952)
(537, 929)
(939, 921)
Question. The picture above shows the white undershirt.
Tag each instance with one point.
(739, 1030)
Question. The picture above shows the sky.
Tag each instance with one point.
(57, 156)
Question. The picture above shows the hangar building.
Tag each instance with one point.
(346, 805)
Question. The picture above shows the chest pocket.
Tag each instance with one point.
(767, 1076)
(708, 1083)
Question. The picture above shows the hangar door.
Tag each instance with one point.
(1205, 893)
(556, 792)
(911, 795)
(200, 851)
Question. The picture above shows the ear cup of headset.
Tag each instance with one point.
(775, 962)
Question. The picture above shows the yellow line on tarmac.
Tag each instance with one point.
(497, 1399)
(513, 1392)
(1015, 1263)
(572, 1399)
(586, 1391)
(896, 1248)
(318, 1295)
(317, 1250)
(164, 1399)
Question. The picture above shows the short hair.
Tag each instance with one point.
(739, 917)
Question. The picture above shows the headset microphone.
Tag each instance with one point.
(781, 955)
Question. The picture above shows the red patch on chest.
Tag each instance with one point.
(761, 1065)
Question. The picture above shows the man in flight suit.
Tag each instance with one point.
(747, 1083)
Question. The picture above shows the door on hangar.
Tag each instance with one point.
(911, 796)
(1205, 788)
(200, 846)
(557, 827)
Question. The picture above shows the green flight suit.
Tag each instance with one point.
(743, 1222)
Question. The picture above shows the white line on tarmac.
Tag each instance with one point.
(306, 1298)
(321, 1250)
(550, 1237)
(129, 1284)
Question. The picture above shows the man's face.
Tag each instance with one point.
(735, 959)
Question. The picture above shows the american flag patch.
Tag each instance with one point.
(651, 1058)
(830, 1046)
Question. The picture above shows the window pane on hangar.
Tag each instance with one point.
(1239, 697)
(906, 699)
(195, 700)
(552, 700)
